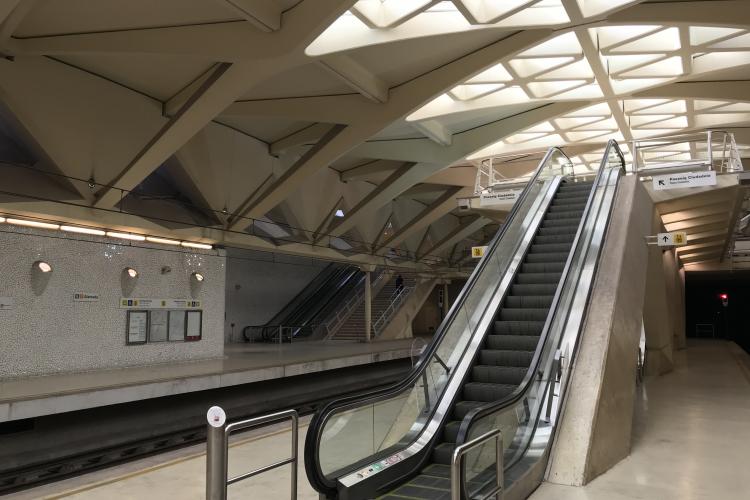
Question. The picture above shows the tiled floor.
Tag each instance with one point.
(691, 436)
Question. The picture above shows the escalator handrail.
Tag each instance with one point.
(496, 406)
(312, 442)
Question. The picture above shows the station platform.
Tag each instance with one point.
(693, 419)
(241, 364)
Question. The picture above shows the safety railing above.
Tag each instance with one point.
(217, 450)
(708, 150)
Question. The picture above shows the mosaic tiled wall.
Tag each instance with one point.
(48, 332)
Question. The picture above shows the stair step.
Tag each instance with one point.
(502, 357)
(523, 343)
(525, 314)
(505, 375)
(487, 392)
(518, 327)
(538, 278)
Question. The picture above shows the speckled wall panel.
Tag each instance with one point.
(50, 333)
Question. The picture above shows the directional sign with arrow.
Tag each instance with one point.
(676, 239)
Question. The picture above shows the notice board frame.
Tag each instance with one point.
(127, 327)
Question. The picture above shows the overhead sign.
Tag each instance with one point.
(676, 239)
(85, 297)
(7, 303)
(478, 252)
(141, 303)
(499, 198)
(684, 180)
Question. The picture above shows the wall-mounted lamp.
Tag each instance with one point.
(128, 280)
(196, 281)
(41, 272)
(43, 266)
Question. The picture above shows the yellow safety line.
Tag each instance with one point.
(153, 468)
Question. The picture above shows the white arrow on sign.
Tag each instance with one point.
(684, 180)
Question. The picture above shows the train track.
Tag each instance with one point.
(22, 478)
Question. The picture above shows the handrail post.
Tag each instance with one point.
(216, 454)
(457, 484)
(710, 150)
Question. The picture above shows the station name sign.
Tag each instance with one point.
(684, 180)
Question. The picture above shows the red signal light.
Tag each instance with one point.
(723, 296)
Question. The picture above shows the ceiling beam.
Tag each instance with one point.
(402, 100)
(12, 12)
(344, 109)
(397, 182)
(728, 90)
(308, 135)
(263, 14)
(356, 76)
(728, 12)
(226, 83)
(368, 169)
(435, 131)
(443, 205)
(460, 232)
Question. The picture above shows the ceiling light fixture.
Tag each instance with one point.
(126, 236)
(33, 223)
(83, 230)
(203, 246)
(163, 241)
(198, 277)
(2, 219)
(131, 272)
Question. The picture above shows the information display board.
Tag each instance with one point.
(137, 327)
(158, 325)
(176, 326)
(194, 326)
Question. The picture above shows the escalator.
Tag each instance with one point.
(493, 368)
(302, 314)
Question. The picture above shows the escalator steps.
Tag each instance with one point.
(509, 347)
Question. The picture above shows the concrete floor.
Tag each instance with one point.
(691, 434)
(692, 429)
(242, 364)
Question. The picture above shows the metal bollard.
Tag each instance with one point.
(216, 454)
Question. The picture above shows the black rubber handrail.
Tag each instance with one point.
(497, 406)
(312, 441)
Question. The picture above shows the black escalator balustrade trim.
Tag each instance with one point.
(317, 479)
(505, 359)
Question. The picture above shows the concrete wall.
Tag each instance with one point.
(400, 325)
(47, 332)
(260, 284)
(595, 430)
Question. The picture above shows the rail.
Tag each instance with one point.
(711, 149)
(332, 324)
(217, 450)
(396, 300)
(457, 478)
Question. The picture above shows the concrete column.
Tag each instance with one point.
(445, 299)
(368, 306)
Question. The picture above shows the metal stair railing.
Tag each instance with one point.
(398, 297)
(217, 450)
(333, 323)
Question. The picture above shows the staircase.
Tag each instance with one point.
(354, 327)
(509, 346)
